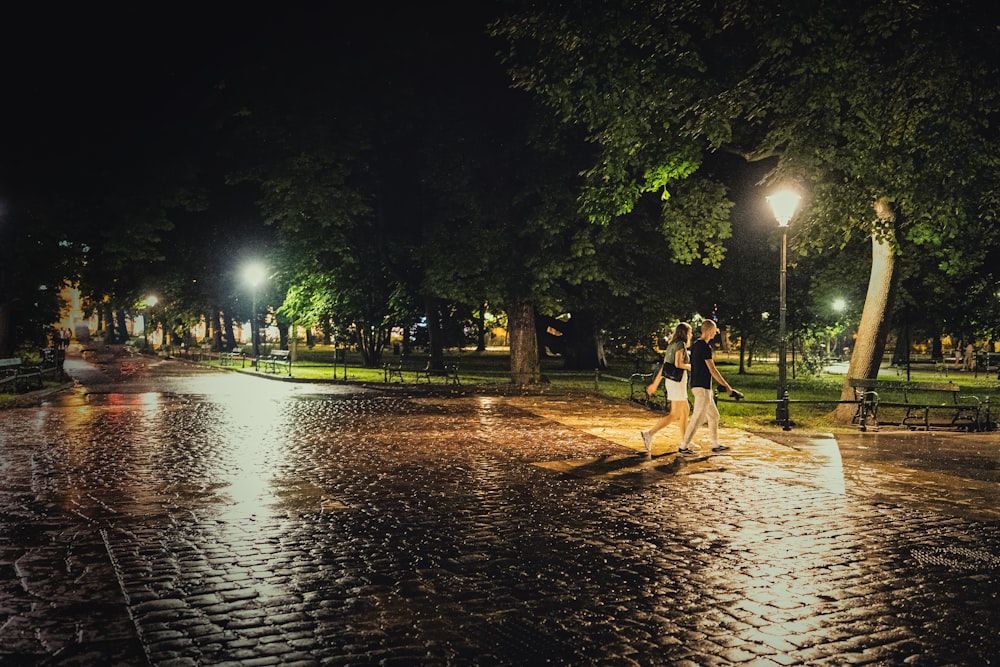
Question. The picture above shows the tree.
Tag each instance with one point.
(36, 257)
(882, 109)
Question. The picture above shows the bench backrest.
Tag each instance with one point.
(10, 363)
(280, 354)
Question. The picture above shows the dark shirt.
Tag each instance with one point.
(700, 375)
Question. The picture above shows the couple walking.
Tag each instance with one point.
(702, 368)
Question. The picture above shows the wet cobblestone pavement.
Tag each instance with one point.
(171, 515)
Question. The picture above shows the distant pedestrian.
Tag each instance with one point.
(702, 371)
(676, 354)
(969, 361)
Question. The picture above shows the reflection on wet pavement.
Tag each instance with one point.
(210, 518)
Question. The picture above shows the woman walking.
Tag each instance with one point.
(676, 354)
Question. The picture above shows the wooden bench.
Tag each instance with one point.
(449, 373)
(276, 359)
(230, 358)
(915, 404)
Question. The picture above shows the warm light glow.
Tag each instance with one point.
(253, 273)
(784, 203)
(151, 301)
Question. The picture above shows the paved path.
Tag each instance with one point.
(172, 516)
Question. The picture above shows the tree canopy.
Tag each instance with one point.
(390, 172)
(884, 113)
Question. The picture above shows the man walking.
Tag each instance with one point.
(702, 371)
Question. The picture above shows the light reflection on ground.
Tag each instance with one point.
(478, 529)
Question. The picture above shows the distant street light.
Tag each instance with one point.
(254, 275)
(783, 204)
(148, 303)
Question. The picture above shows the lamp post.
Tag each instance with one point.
(149, 302)
(254, 275)
(783, 204)
(839, 305)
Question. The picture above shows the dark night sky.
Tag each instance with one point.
(85, 82)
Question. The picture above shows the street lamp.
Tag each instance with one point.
(783, 203)
(254, 275)
(148, 302)
(839, 305)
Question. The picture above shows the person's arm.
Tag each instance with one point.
(679, 359)
(717, 375)
(655, 384)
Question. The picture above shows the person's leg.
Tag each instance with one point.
(661, 423)
(712, 414)
(683, 411)
(671, 388)
(702, 397)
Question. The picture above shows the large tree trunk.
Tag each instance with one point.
(525, 368)
(434, 333)
(226, 325)
(372, 338)
(874, 327)
(121, 326)
(481, 326)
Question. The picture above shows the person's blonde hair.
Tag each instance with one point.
(708, 324)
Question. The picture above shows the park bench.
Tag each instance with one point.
(449, 373)
(988, 361)
(914, 403)
(393, 370)
(276, 359)
(16, 376)
(8, 374)
(230, 358)
(637, 383)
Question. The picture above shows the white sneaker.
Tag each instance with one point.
(647, 440)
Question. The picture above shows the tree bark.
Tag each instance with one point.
(372, 338)
(218, 344)
(525, 367)
(434, 333)
(874, 327)
(481, 324)
(226, 325)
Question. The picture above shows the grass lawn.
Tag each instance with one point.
(813, 398)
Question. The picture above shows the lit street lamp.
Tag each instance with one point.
(783, 204)
(839, 305)
(254, 275)
(148, 302)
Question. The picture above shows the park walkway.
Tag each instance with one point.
(174, 515)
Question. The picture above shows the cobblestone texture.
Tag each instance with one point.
(223, 520)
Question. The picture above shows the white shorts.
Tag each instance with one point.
(677, 391)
